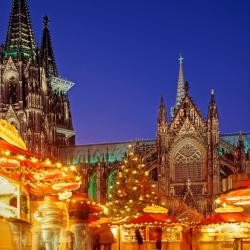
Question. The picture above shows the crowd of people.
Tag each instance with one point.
(92, 237)
(157, 236)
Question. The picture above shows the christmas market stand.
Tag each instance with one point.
(238, 196)
(33, 192)
(228, 228)
(150, 224)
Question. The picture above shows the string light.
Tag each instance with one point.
(73, 168)
(34, 160)
(7, 153)
(47, 162)
(58, 165)
(21, 157)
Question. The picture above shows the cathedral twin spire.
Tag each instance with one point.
(181, 88)
(46, 51)
(20, 40)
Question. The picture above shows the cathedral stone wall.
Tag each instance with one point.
(27, 97)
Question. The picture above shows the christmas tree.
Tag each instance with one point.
(133, 189)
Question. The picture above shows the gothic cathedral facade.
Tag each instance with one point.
(188, 150)
(190, 160)
(32, 95)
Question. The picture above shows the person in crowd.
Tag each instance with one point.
(95, 237)
(158, 239)
(50, 217)
(139, 238)
(106, 237)
(195, 239)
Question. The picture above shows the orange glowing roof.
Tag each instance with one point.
(40, 176)
(152, 218)
(225, 218)
(238, 196)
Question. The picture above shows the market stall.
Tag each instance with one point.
(238, 196)
(28, 186)
(150, 224)
(226, 229)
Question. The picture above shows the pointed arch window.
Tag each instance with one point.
(188, 163)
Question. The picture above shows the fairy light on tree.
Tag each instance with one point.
(133, 189)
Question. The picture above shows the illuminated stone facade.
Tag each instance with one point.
(189, 159)
(40, 112)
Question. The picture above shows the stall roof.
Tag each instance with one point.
(40, 176)
(152, 218)
(225, 218)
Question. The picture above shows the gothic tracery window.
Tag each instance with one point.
(187, 163)
(12, 88)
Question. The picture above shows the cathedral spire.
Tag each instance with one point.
(162, 115)
(180, 88)
(20, 41)
(46, 51)
(212, 112)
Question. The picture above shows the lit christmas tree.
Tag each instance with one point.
(133, 189)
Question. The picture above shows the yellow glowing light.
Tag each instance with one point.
(119, 191)
(64, 196)
(134, 188)
(130, 201)
(21, 157)
(229, 209)
(58, 164)
(105, 210)
(155, 209)
(134, 172)
(78, 178)
(34, 160)
(72, 168)
(242, 203)
(218, 201)
(146, 173)
(66, 169)
(7, 153)
(48, 162)
(114, 231)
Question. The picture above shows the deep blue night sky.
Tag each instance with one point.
(123, 56)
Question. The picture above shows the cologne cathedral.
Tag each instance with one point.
(32, 95)
(189, 160)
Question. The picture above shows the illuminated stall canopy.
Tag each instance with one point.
(225, 226)
(9, 193)
(39, 176)
(239, 196)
